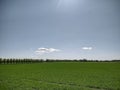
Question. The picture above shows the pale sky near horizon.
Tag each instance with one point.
(60, 29)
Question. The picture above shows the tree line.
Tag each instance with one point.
(15, 61)
(22, 61)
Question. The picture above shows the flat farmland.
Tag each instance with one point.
(60, 76)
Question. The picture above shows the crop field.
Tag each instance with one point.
(60, 76)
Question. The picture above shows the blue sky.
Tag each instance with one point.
(60, 29)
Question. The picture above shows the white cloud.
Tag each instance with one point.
(87, 48)
(46, 50)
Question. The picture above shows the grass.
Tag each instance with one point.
(61, 76)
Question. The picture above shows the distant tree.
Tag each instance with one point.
(10, 61)
(13, 61)
(4, 61)
(83, 60)
(0, 60)
(7, 61)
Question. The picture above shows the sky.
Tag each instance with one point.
(60, 29)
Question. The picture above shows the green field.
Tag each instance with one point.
(60, 76)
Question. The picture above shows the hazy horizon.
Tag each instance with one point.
(60, 29)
